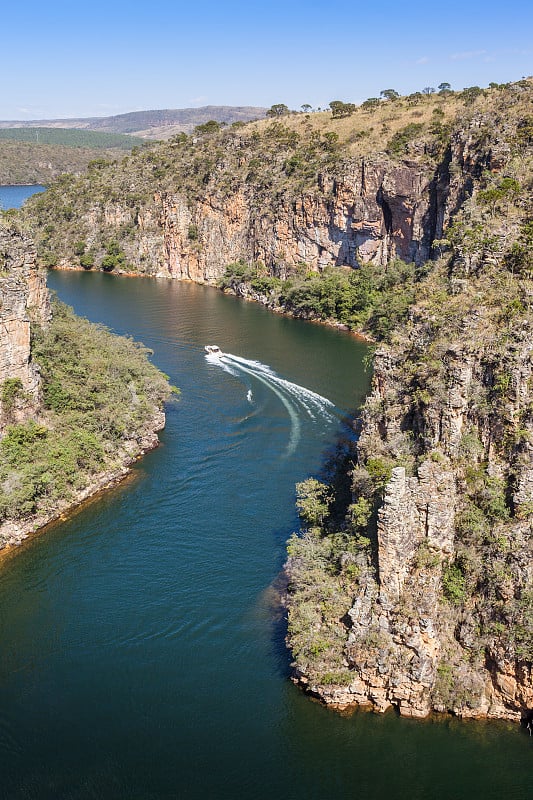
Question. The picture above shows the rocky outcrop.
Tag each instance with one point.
(374, 211)
(370, 209)
(23, 297)
(443, 618)
(34, 490)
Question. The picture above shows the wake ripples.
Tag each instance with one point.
(297, 400)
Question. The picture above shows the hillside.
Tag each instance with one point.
(26, 162)
(72, 138)
(77, 404)
(303, 189)
(411, 583)
(156, 124)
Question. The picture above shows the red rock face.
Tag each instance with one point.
(371, 214)
(23, 296)
(375, 210)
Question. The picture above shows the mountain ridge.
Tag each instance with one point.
(149, 124)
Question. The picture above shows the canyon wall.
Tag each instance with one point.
(23, 298)
(368, 209)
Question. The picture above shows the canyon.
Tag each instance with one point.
(426, 604)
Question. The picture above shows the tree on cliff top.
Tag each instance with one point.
(389, 94)
(277, 110)
(340, 109)
(371, 104)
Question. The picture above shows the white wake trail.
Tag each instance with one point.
(312, 402)
(293, 414)
(295, 398)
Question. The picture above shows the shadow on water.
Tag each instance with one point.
(337, 461)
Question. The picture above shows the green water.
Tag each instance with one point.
(141, 652)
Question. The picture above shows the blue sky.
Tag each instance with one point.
(72, 59)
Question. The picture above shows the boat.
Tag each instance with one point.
(213, 350)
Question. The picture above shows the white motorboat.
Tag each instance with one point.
(213, 350)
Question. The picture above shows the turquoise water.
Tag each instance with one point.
(142, 648)
(14, 196)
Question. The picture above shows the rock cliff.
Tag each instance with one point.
(436, 613)
(67, 430)
(23, 297)
(278, 195)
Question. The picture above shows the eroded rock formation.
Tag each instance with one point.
(23, 297)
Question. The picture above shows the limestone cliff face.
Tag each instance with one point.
(374, 211)
(23, 297)
(371, 209)
(443, 619)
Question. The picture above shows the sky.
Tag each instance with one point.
(69, 59)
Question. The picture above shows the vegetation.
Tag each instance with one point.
(370, 299)
(27, 163)
(72, 137)
(272, 161)
(100, 391)
(340, 109)
(481, 280)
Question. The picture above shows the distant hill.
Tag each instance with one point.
(29, 162)
(72, 137)
(155, 124)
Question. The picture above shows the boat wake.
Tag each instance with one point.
(297, 400)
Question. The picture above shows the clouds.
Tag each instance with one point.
(467, 55)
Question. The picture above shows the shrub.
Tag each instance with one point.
(454, 584)
(87, 261)
(313, 499)
(12, 390)
(398, 144)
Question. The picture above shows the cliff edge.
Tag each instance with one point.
(77, 404)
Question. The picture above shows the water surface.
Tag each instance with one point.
(141, 656)
(13, 196)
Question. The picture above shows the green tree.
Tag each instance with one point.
(371, 104)
(87, 261)
(277, 110)
(470, 94)
(340, 109)
(390, 94)
(212, 126)
(312, 501)
(414, 98)
(444, 88)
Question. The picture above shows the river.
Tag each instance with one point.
(142, 648)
